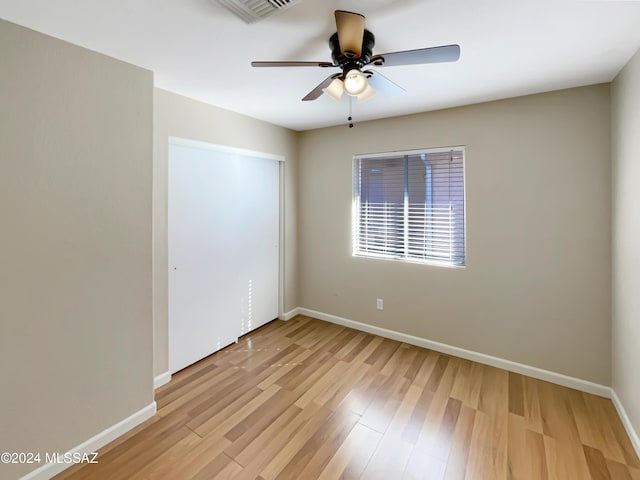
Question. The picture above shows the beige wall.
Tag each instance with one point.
(625, 139)
(536, 288)
(179, 116)
(75, 243)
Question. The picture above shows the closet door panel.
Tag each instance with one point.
(223, 234)
(259, 210)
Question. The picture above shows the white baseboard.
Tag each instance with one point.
(289, 315)
(161, 380)
(553, 377)
(626, 421)
(49, 470)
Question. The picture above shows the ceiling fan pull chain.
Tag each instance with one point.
(350, 112)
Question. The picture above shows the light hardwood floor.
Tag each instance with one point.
(306, 399)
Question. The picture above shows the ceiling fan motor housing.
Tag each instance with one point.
(347, 61)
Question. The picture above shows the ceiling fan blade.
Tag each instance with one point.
(384, 85)
(350, 32)
(316, 92)
(445, 53)
(292, 64)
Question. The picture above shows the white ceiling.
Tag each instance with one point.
(199, 49)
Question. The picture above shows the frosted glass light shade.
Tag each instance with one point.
(335, 89)
(367, 94)
(355, 83)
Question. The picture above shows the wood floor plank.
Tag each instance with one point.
(438, 371)
(557, 415)
(276, 372)
(430, 461)
(363, 393)
(180, 384)
(343, 340)
(313, 335)
(596, 463)
(326, 384)
(369, 345)
(113, 458)
(353, 455)
(184, 459)
(437, 409)
(596, 435)
(365, 339)
(418, 416)
(565, 459)
(288, 452)
(400, 361)
(386, 457)
(305, 399)
(389, 459)
(312, 457)
(416, 363)
(481, 448)
(421, 465)
(613, 430)
(498, 391)
(334, 396)
(517, 456)
(230, 417)
(460, 445)
(531, 398)
(300, 328)
(382, 409)
(301, 373)
(199, 392)
(426, 369)
(535, 452)
(128, 463)
(381, 355)
(516, 394)
(321, 339)
(403, 414)
(270, 438)
(620, 471)
(242, 434)
(460, 389)
(442, 447)
(221, 467)
(279, 444)
(225, 403)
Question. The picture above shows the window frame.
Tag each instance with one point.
(355, 214)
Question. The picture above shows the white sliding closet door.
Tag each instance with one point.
(223, 249)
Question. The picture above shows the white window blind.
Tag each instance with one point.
(410, 205)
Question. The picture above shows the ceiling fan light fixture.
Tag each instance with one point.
(367, 94)
(355, 82)
(335, 89)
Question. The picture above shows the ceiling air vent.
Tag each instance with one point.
(253, 10)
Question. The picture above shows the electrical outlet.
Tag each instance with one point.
(380, 304)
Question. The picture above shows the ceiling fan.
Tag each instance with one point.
(352, 51)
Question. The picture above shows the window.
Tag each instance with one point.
(410, 206)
